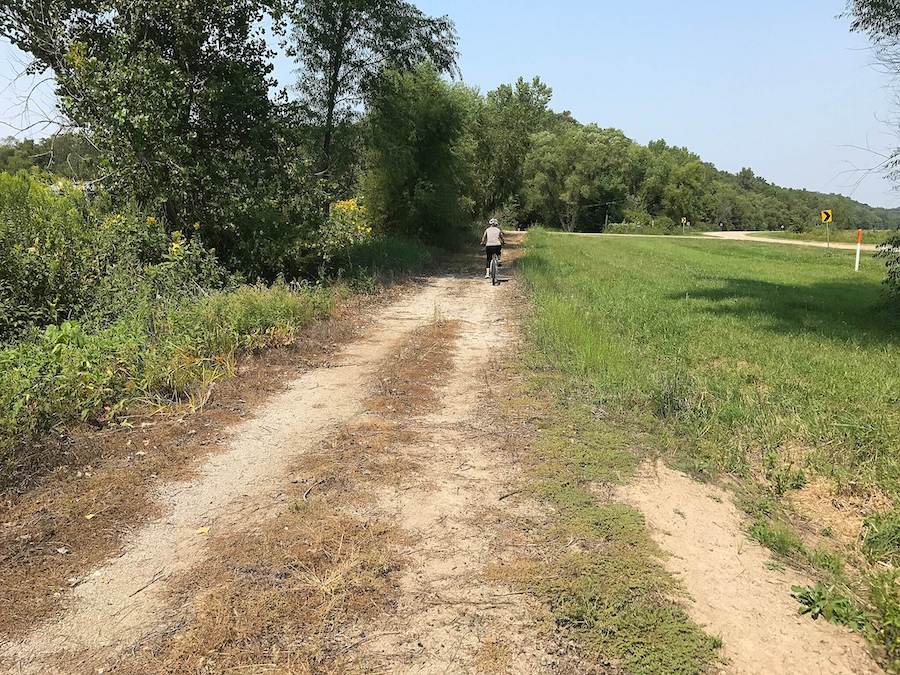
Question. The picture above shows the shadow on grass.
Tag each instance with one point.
(835, 310)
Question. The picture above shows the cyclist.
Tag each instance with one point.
(493, 241)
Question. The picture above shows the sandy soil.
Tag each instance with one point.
(735, 594)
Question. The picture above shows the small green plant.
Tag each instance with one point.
(884, 619)
(776, 536)
(826, 602)
(782, 476)
(882, 540)
(827, 561)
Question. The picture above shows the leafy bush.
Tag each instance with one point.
(47, 260)
(63, 257)
(826, 602)
(161, 352)
(890, 252)
(348, 226)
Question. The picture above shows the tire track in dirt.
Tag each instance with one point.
(450, 616)
(124, 601)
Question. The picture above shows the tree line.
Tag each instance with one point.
(177, 104)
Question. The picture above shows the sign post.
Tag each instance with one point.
(683, 225)
(858, 248)
(828, 218)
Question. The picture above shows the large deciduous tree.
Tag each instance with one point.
(880, 20)
(510, 116)
(343, 46)
(576, 176)
(175, 95)
(418, 180)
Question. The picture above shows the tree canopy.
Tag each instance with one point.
(343, 46)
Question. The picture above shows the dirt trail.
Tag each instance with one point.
(122, 602)
(751, 236)
(735, 593)
(449, 617)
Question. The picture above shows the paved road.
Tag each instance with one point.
(752, 236)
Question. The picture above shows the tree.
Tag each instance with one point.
(683, 194)
(417, 180)
(880, 20)
(174, 94)
(510, 116)
(576, 176)
(343, 46)
(746, 178)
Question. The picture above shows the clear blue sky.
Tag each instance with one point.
(780, 86)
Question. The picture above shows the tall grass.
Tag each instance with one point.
(772, 363)
(160, 352)
(759, 358)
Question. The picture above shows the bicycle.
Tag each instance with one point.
(495, 270)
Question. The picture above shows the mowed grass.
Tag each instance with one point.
(839, 236)
(764, 361)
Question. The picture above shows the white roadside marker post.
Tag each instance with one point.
(858, 247)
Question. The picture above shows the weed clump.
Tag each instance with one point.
(828, 603)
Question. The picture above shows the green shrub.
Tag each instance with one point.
(828, 603)
(63, 257)
(47, 262)
(158, 352)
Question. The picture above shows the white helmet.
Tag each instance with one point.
(494, 222)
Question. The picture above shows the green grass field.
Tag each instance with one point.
(839, 236)
(772, 364)
(754, 356)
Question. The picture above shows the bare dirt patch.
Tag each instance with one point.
(735, 590)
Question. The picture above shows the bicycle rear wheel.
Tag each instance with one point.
(495, 280)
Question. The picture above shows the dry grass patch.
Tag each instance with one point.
(493, 656)
(287, 598)
(368, 451)
(407, 383)
(841, 516)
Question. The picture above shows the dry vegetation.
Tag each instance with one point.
(47, 539)
(295, 594)
(284, 599)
